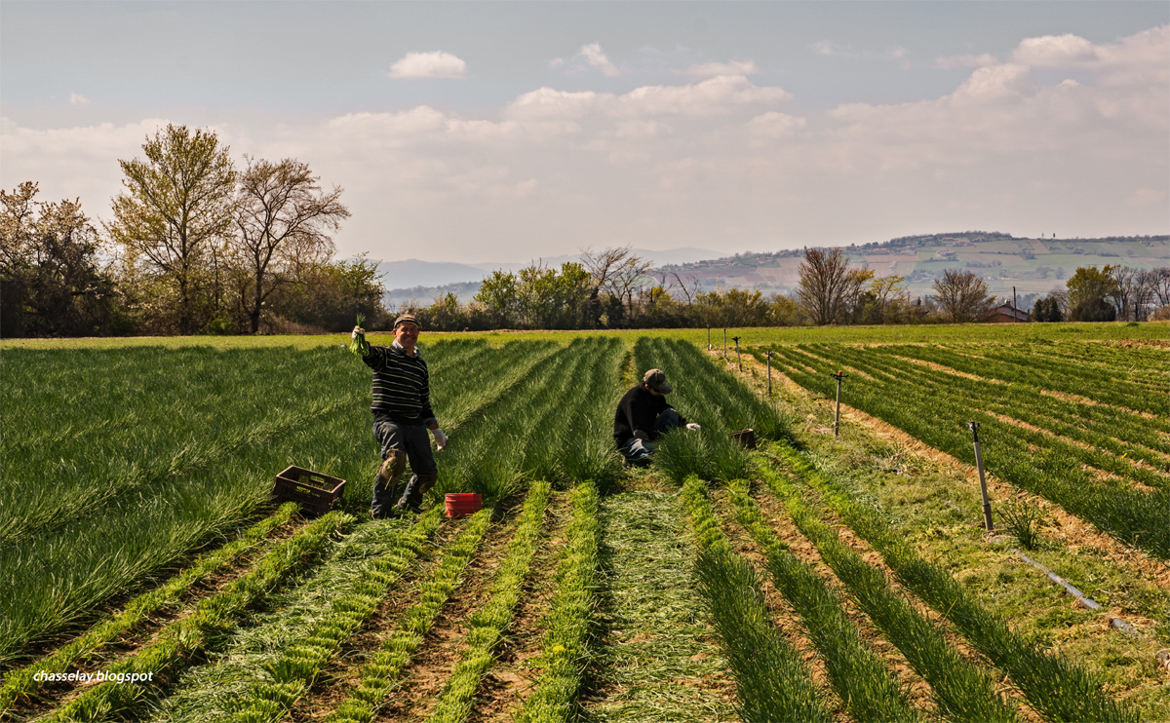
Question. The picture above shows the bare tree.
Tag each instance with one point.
(1128, 281)
(1162, 284)
(688, 293)
(824, 283)
(962, 295)
(616, 271)
(178, 203)
(284, 218)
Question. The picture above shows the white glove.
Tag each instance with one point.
(693, 427)
(440, 438)
(357, 332)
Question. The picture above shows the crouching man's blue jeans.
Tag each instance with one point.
(638, 451)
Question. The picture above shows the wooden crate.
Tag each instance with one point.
(318, 493)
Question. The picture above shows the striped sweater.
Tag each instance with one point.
(401, 385)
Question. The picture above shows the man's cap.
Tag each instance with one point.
(656, 380)
(406, 319)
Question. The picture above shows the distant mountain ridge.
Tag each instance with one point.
(1034, 266)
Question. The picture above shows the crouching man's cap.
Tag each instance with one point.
(656, 380)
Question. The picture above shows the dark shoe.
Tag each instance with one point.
(411, 504)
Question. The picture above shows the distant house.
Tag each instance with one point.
(1006, 312)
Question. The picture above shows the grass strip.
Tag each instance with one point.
(771, 679)
(1058, 689)
(21, 684)
(291, 673)
(859, 675)
(565, 652)
(489, 622)
(380, 674)
(961, 690)
(178, 643)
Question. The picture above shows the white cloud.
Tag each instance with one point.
(435, 64)
(824, 47)
(965, 61)
(710, 70)
(774, 125)
(714, 96)
(78, 99)
(1055, 51)
(994, 81)
(596, 58)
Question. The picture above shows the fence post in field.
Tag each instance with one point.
(708, 337)
(839, 376)
(768, 356)
(974, 427)
(738, 361)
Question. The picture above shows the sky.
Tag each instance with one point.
(503, 132)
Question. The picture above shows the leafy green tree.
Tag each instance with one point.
(732, 307)
(499, 299)
(50, 280)
(328, 296)
(1047, 309)
(176, 210)
(283, 218)
(1093, 308)
(1086, 287)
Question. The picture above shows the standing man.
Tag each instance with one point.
(642, 416)
(402, 416)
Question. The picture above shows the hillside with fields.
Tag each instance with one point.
(1033, 265)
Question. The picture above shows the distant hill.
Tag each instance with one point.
(1034, 266)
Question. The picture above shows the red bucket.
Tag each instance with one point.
(461, 504)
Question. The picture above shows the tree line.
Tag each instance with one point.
(616, 289)
(195, 245)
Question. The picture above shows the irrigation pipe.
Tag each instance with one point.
(1080, 596)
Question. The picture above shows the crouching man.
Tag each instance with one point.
(643, 415)
(402, 416)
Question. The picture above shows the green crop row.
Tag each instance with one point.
(771, 679)
(20, 685)
(859, 675)
(1133, 516)
(1057, 689)
(1104, 445)
(1053, 374)
(546, 427)
(57, 576)
(961, 690)
(489, 622)
(379, 676)
(1103, 417)
(565, 651)
(706, 394)
(295, 668)
(176, 645)
(55, 484)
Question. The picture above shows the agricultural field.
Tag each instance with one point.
(815, 577)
